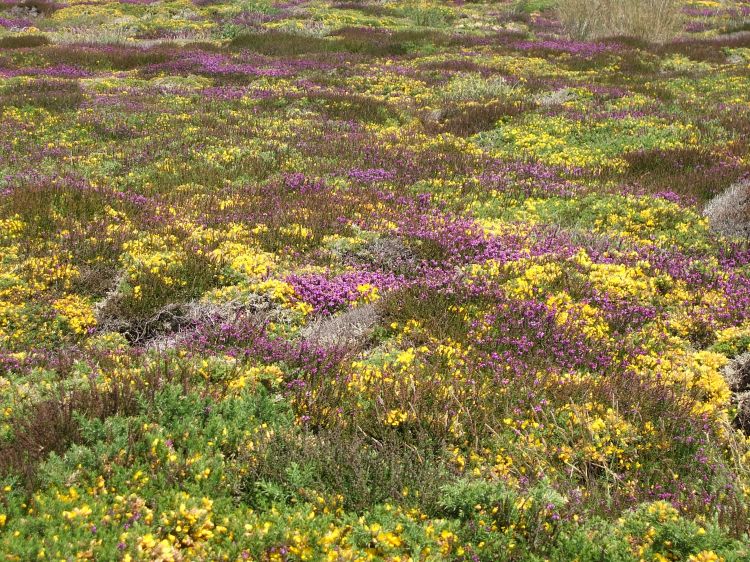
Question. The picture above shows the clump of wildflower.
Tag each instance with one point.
(77, 312)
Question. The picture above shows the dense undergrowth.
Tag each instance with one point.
(386, 280)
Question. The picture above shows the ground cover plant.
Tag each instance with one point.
(374, 280)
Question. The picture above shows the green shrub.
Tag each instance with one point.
(48, 93)
(472, 86)
(428, 16)
(531, 6)
(282, 43)
(23, 41)
(656, 530)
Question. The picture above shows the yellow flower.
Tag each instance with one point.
(78, 512)
(396, 418)
(368, 293)
(706, 556)
(77, 312)
(406, 357)
(389, 539)
(146, 543)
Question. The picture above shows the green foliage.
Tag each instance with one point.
(571, 143)
(426, 15)
(533, 6)
(475, 87)
(655, 530)
(23, 41)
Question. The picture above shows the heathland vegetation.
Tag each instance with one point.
(375, 280)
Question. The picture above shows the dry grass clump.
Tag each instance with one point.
(729, 213)
(342, 330)
(737, 374)
(652, 20)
